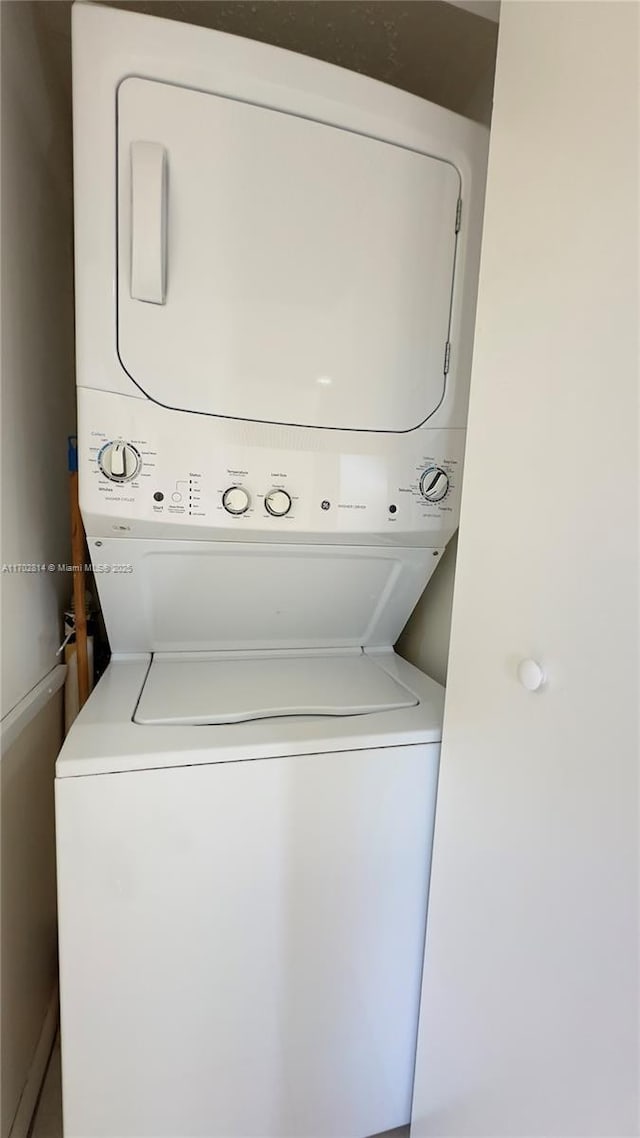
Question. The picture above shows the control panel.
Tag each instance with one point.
(138, 477)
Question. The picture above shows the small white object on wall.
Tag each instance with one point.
(531, 675)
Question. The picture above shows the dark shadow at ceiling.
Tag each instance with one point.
(432, 49)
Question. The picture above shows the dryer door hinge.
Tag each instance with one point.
(458, 215)
(447, 356)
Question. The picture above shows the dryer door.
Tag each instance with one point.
(278, 269)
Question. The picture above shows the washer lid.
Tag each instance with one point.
(279, 269)
(232, 689)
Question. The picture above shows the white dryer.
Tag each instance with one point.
(276, 267)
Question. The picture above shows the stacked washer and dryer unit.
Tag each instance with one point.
(275, 280)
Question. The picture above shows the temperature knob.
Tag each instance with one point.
(119, 461)
(236, 500)
(434, 484)
(278, 503)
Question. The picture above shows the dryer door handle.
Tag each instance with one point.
(148, 222)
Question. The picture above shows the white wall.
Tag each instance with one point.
(37, 415)
(36, 345)
(529, 1021)
(28, 898)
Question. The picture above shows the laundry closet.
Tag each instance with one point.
(245, 808)
(402, 44)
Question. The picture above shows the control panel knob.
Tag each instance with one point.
(278, 503)
(236, 500)
(434, 484)
(119, 461)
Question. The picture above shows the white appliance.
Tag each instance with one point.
(274, 324)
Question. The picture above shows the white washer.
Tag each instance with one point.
(274, 322)
(242, 907)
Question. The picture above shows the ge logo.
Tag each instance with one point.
(325, 505)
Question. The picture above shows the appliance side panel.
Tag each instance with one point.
(237, 938)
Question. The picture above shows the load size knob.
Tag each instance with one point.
(434, 484)
(119, 461)
(236, 500)
(278, 503)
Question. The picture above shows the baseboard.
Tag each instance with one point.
(37, 1071)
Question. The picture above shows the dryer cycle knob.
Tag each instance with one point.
(236, 500)
(119, 461)
(278, 503)
(434, 484)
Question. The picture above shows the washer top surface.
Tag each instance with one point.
(106, 739)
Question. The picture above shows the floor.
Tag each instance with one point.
(48, 1119)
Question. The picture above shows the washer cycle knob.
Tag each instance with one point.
(119, 461)
(277, 503)
(236, 500)
(434, 484)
